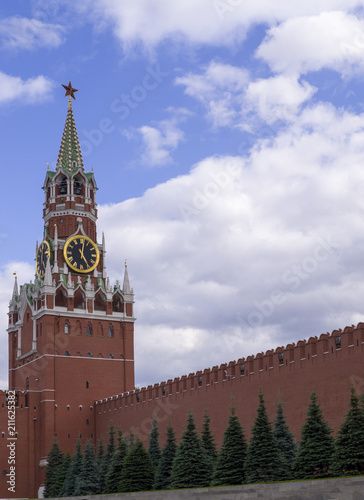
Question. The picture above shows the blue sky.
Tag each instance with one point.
(227, 140)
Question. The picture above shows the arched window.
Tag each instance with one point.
(110, 332)
(89, 330)
(79, 300)
(77, 187)
(67, 353)
(117, 304)
(63, 186)
(89, 354)
(78, 327)
(111, 356)
(61, 297)
(67, 327)
(100, 301)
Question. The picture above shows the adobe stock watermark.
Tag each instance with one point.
(11, 441)
(291, 280)
(122, 107)
(202, 197)
(357, 45)
(164, 409)
(222, 7)
(358, 384)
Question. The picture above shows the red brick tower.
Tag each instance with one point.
(71, 335)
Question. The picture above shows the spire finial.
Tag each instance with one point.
(126, 283)
(15, 289)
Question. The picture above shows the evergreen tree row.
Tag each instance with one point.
(271, 455)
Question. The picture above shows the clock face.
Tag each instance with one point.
(81, 254)
(43, 254)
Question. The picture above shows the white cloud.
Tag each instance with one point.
(213, 22)
(28, 91)
(219, 88)
(244, 255)
(332, 40)
(27, 34)
(231, 98)
(159, 142)
(277, 98)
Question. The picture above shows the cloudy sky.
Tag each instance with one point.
(227, 140)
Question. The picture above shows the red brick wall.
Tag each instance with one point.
(318, 365)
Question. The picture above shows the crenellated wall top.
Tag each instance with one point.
(312, 350)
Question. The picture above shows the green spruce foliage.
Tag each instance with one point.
(284, 436)
(106, 461)
(264, 461)
(100, 463)
(316, 448)
(138, 471)
(349, 447)
(163, 475)
(207, 438)
(69, 485)
(130, 440)
(88, 481)
(154, 449)
(191, 467)
(231, 458)
(114, 473)
(61, 474)
(55, 460)
(100, 452)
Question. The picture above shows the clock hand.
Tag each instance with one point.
(82, 256)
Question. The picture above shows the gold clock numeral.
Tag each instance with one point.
(81, 267)
(92, 261)
(70, 259)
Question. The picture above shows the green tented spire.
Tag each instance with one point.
(70, 156)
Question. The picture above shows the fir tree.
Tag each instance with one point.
(69, 485)
(61, 474)
(230, 462)
(88, 481)
(154, 449)
(284, 436)
(100, 463)
(138, 470)
(349, 447)
(207, 439)
(100, 452)
(163, 475)
(54, 462)
(316, 447)
(131, 440)
(106, 461)
(191, 467)
(264, 461)
(113, 476)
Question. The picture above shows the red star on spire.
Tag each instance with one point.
(69, 90)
